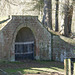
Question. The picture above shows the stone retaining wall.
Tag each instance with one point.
(63, 47)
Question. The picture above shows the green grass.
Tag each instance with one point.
(43, 67)
(23, 71)
(9, 71)
(34, 70)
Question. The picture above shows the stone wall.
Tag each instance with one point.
(0, 45)
(10, 29)
(63, 47)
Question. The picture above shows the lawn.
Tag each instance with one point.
(33, 67)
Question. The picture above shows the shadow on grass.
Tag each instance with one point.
(33, 67)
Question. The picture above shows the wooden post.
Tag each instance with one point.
(66, 66)
(69, 66)
(74, 68)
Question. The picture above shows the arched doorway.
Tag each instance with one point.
(24, 44)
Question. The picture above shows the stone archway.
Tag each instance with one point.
(27, 37)
(10, 34)
(24, 44)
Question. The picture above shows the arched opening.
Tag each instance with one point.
(24, 44)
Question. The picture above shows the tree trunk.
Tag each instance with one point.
(66, 22)
(47, 15)
(68, 18)
(56, 16)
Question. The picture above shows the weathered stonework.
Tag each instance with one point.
(8, 35)
(63, 47)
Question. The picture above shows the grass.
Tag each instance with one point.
(9, 71)
(23, 71)
(34, 70)
(32, 67)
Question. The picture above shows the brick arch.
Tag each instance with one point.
(42, 37)
(15, 34)
(25, 34)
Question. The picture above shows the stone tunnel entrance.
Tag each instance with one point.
(24, 44)
(24, 37)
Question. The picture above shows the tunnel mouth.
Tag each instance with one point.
(24, 45)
